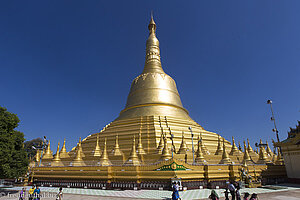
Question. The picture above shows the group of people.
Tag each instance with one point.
(33, 193)
(234, 190)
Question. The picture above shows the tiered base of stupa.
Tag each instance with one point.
(152, 165)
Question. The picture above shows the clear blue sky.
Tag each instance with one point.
(66, 66)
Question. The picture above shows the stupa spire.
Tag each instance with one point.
(48, 154)
(80, 147)
(269, 151)
(183, 147)
(152, 62)
(56, 157)
(140, 149)
(279, 160)
(263, 158)
(234, 149)
(166, 151)
(199, 153)
(56, 160)
(153, 92)
(97, 152)
(78, 156)
(116, 151)
(246, 158)
(63, 152)
(133, 158)
(225, 156)
(219, 148)
(104, 161)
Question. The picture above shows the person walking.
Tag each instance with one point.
(30, 193)
(246, 196)
(59, 194)
(232, 190)
(213, 195)
(22, 194)
(175, 194)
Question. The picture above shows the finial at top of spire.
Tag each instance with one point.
(152, 25)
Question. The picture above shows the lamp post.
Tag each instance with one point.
(190, 128)
(273, 119)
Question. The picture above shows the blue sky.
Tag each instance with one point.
(66, 66)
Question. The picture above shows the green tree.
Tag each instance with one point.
(13, 157)
(37, 142)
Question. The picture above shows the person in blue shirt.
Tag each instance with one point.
(37, 192)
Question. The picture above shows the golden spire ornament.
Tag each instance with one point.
(219, 148)
(48, 153)
(263, 157)
(183, 147)
(117, 151)
(240, 147)
(56, 157)
(234, 149)
(104, 161)
(140, 149)
(279, 160)
(246, 158)
(80, 147)
(37, 157)
(78, 157)
(56, 160)
(63, 152)
(225, 156)
(97, 152)
(133, 159)
(269, 151)
(199, 154)
(250, 150)
(166, 155)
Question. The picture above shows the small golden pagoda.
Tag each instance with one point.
(166, 141)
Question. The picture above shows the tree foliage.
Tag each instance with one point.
(37, 142)
(13, 157)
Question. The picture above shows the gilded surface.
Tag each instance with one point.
(155, 117)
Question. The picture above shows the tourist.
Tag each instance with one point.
(213, 195)
(246, 196)
(254, 196)
(59, 194)
(237, 193)
(232, 190)
(226, 194)
(22, 194)
(175, 194)
(36, 193)
(30, 193)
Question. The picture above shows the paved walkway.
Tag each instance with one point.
(78, 193)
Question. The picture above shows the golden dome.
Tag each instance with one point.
(153, 92)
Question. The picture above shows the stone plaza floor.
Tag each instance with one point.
(285, 192)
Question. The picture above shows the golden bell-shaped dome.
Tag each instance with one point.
(153, 92)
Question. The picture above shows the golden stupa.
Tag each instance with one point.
(153, 141)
